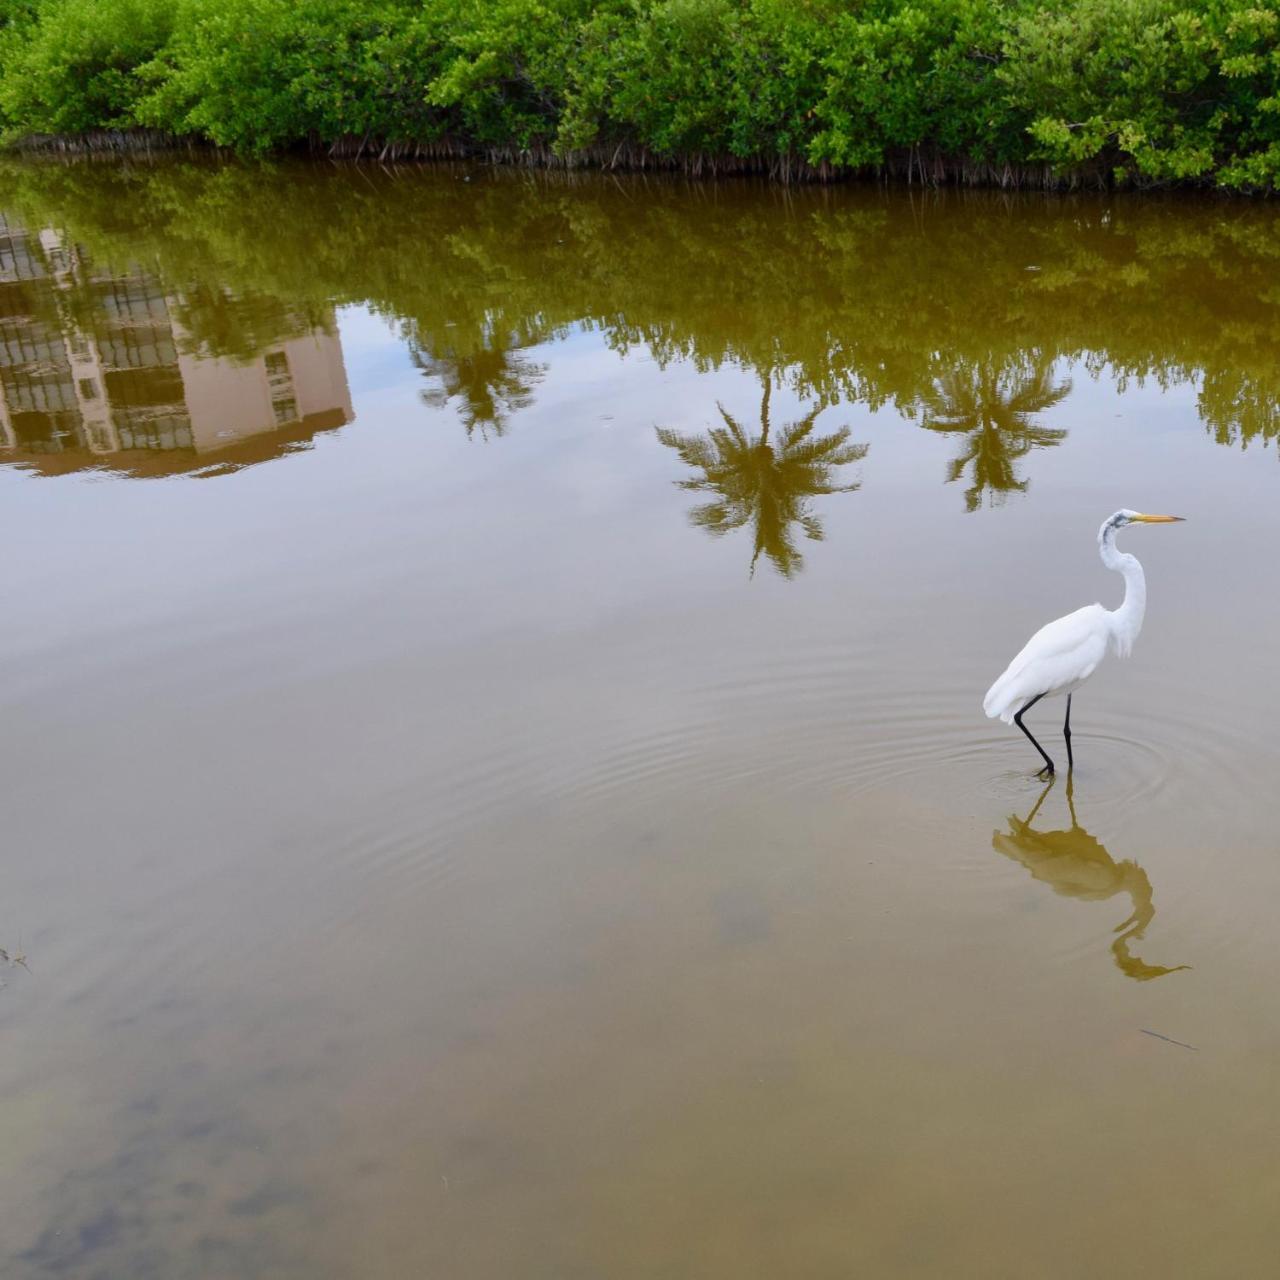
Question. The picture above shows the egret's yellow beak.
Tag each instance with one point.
(1159, 519)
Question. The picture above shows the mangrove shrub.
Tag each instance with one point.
(1145, 91)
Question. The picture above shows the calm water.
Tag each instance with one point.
(494, 780)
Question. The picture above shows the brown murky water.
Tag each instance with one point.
(493, 772)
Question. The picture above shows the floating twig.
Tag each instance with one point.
(1181, 1044)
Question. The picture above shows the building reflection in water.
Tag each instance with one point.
(97, 369)
(1077, 865)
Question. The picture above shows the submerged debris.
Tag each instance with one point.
(1180, 1043)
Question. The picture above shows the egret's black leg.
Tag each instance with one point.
(1066, 733)
(1017, 719)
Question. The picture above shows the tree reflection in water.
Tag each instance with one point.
(490, 383)
(843, 289)
(1241, 407)
(1077, 865)
(764, 483)
(994, 405)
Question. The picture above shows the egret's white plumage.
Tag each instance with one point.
(1062, 655)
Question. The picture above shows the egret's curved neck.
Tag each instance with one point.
(1126, 621)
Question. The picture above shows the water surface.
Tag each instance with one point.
(494, 774)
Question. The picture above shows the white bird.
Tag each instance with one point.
(1062, 655)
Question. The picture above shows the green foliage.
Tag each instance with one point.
(913, 75)
(1246, 43)
(1151, 88)
(259, 74)
(660, 73)
(1148, 91)
(15, 12)
(500, 68)
(70, 65)
(1129, 82)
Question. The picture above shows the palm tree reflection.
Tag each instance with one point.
(490, 383)
(762, 483)
(994, 406)
(1076, 865)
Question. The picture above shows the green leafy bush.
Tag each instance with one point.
(1132, 90)
(13, 12)
(70, 65)
(910, 76)
(259, 74)
(1151, 88)
(500, 69)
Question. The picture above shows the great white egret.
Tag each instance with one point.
(1063, 654)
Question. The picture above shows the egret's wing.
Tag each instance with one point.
(1063, 635)
(1063, 652)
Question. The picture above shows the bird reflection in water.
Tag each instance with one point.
(1077, 865)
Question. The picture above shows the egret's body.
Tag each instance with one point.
(1063, 654)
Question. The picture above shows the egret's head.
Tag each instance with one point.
(1122, 519)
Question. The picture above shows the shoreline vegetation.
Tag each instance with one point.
(910, 168)
(1073, 93)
